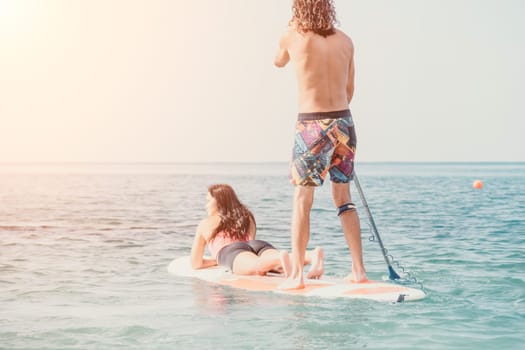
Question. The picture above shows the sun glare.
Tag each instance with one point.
(8, 9)
(14, 15)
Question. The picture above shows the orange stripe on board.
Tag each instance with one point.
(376, 290)
(307, 288)
(250, 284)
(266, 285)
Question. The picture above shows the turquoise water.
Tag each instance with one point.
(84, 250)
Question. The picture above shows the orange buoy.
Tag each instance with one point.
(477, 184)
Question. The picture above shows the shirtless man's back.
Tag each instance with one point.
(325, 139)
(324, 67)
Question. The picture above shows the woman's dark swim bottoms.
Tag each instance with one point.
(227, 255)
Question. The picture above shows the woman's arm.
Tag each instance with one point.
(197, 251)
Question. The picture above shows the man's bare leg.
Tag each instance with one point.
(303, 199)
(352, 231)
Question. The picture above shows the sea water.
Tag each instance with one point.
(84, 250)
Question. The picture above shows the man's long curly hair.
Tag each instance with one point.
(235, 217)
(316, 16)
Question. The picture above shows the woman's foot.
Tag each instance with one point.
(317, 268)
(286, 264)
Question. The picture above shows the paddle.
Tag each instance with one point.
(391, 273)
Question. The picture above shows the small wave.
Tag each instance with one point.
(70, 239)
(129, 246)
(113, 241)
(7, 267)
(91, 270)
(7, 282)
(84, 330)
(114, 223)
(94, 234)
(135, 331)
(325, 210)
(26, 228)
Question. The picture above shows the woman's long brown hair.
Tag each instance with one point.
(235, 217)
(316, 16)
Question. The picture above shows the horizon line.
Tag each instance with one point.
(258, 162)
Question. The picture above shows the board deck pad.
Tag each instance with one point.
(326, 287)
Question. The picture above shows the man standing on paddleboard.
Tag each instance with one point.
(325, 140)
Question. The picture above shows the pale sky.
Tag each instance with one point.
(173, 80)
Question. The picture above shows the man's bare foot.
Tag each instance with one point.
(317, 268)
(355, 277)
(286, 264)
(291, 284)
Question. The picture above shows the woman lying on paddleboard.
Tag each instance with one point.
(229, 234)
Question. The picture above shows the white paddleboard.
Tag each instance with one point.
(325, 287)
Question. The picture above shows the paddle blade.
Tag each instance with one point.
(392, 274)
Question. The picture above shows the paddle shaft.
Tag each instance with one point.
(392, 274)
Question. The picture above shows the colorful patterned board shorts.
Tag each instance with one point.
(325, 142)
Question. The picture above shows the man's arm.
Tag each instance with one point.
(282, 57)
(350, 82)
